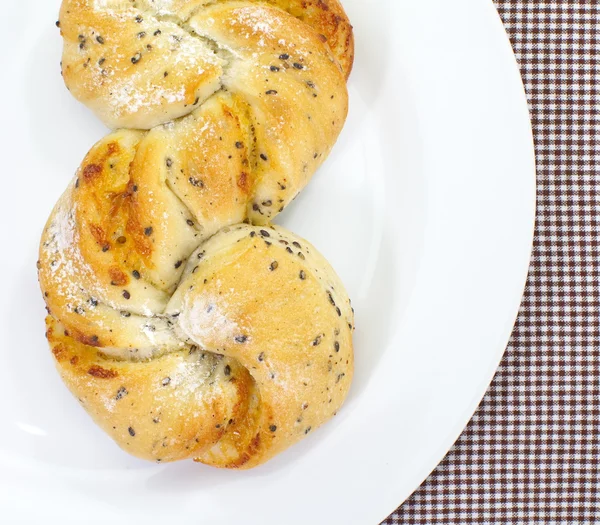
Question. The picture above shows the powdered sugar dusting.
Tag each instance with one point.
(192, 378)
(163, 7)
(204, 321)
(257, 20)
(127, 97)
(67, 265)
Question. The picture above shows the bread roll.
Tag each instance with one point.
(261, 355)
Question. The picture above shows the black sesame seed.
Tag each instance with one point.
(99, 39)
(252, 234)
(273, 428)
(265, 233)
(166, 74)
(274, 69)
(308, 430)
(136, 274)
(263, 157)
(339, 312)
(136, 58)
(131, 431)
(227, 370)
(310, 84)
(126, 294)
(196, 101)
(121, 393)
(241, 338)
(125, 314)
(297, 244)
(302, 275)
(178, 264)
(274, 266)
(271, 92)
(284, 56)
(301, 255)
(331, 298)
(135, 188)
(166, 381)
(239, 145)
(93, 302)
(58, 23)
(142, 34)
(256, 207)
(261, 357)
(157, 32)
(200, 255)
(139, 19)
(336, 345)
(77, 183)
(289, 250)
(197, 183)
(105, 248)
(298, 66)
(169, 162)
(317, 341)
(190, 222)
(148, 231)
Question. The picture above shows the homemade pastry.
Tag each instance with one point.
(183, 332)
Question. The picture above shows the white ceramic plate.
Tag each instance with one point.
(426, 209)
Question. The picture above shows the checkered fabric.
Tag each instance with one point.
(531, 453)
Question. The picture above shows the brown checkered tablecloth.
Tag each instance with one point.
(531, 453)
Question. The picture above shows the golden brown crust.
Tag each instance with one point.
(329, 20)
(170, 408)
(182, 334)
(264, 318)
(138, 67)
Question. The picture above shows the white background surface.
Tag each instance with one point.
(425, 208)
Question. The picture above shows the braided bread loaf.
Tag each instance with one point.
(186, 325)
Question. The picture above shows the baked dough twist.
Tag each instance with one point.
(184, 323)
